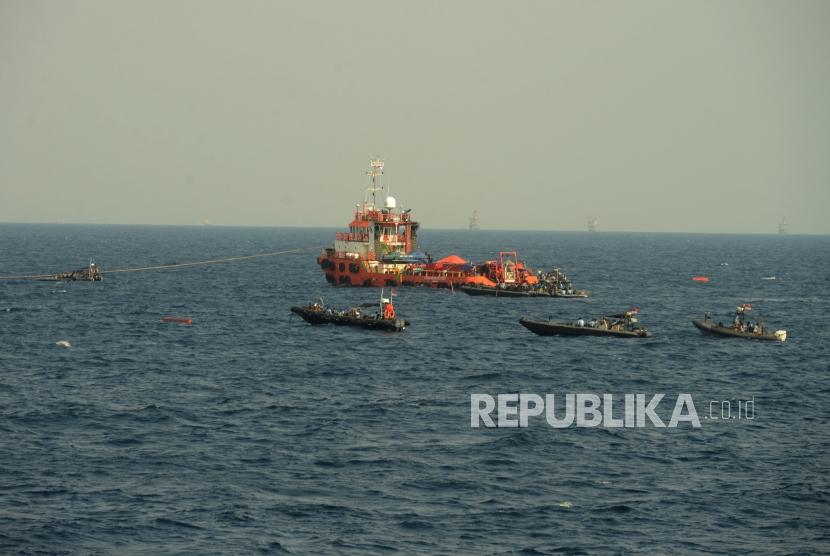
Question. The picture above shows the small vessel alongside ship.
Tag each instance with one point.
(620, 325)
(380, 249)
(742, 327)
(384, 319)
(551, 284)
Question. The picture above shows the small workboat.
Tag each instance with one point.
(622, 325)
(559, 285)
(384, 319)
(741, 327)
(90, 273)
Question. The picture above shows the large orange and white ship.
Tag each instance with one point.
(381, 249)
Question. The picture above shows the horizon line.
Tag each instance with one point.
(438, 229)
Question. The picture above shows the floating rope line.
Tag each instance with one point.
(212, 261)
(171, 266)
(26, 277)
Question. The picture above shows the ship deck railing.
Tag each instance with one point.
(363, 238)
(382, 217)
(347, 236)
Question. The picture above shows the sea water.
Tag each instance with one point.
(252, 431)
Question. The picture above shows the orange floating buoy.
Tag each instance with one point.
(701, 279)
(180, 320)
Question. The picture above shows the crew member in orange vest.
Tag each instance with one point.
(388, 310)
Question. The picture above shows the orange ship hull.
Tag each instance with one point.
(347, 271)
(343, 271)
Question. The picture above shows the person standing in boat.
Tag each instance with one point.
(740, 317)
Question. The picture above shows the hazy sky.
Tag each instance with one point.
(654, 116)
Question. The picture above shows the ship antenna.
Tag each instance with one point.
(375, 173)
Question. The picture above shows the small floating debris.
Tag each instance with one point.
(566, 504)
(724, 264)
(178, 320)
(63, 343)
(768, 278)
(701, 279)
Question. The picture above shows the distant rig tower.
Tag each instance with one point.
(474, 221)
(782, 227)
(592, 223)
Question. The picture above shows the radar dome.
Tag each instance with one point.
(390, 202)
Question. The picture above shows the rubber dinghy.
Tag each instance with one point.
(712, 328)
(385, 318)
(554, 328)
(622, 325)
(742, 327)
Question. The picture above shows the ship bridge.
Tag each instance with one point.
(375, 232)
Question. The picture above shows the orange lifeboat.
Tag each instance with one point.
(700, 279)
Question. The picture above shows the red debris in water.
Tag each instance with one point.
(179, 320)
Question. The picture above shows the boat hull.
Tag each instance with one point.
(710, 328)
(552, 328)
(321, 317)
(499, 292)
(356, 272)
(81, 275)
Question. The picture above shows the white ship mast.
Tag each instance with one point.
(375, 174)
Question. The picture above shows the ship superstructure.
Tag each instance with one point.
(377, 233)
